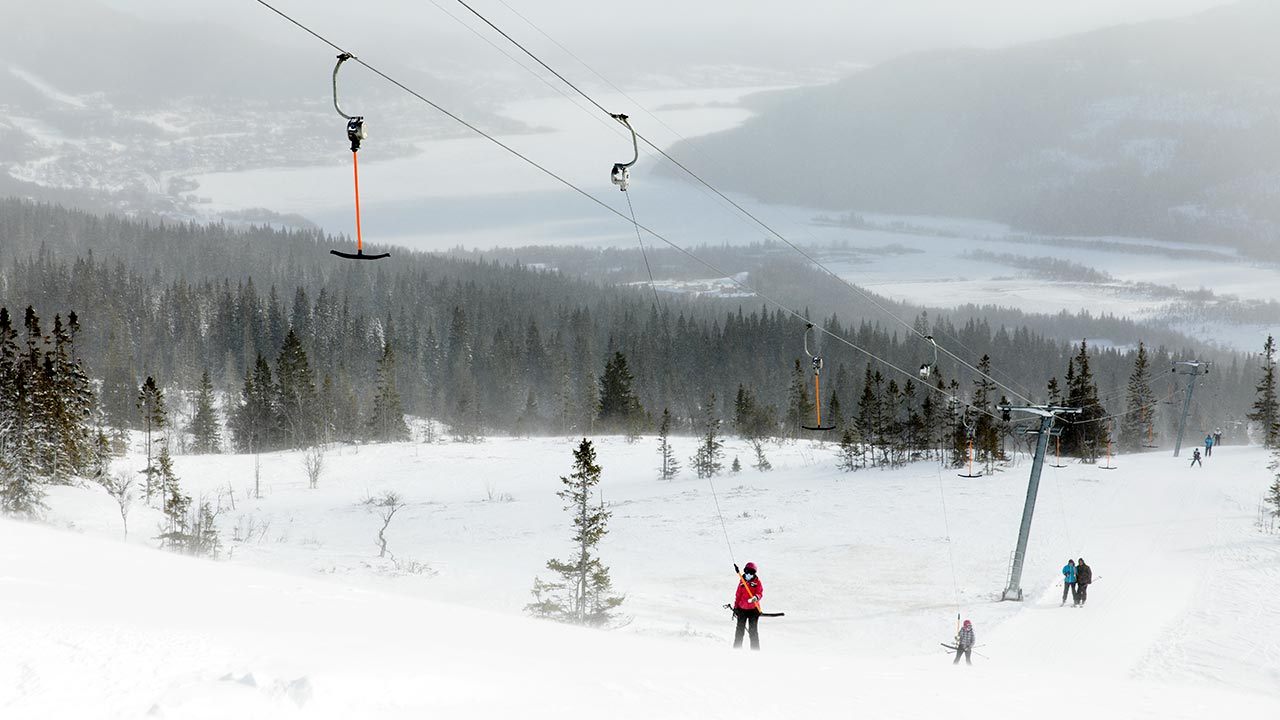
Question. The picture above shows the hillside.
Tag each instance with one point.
(300, 618)
(1165, 128)
(119, 122)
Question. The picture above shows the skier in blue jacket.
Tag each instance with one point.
(1069, 582)
(1208, 446)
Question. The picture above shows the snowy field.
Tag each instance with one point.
(301, 619)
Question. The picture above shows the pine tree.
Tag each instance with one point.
(868, 409)
(1054, 392)
(583, 595)
(255, 424)
(670, 465)
(174, 502)
(1085, 432)
(154, 418)
(736, 467)
(71, 404)
(21, 490)
(296, 393)
(386, 420)
(529, 419)
(986, 434)
(707, 460)
(799, 408)
(1266, 408)
(849, 453)
(205, 429)
(1136, 427)
(619, 408)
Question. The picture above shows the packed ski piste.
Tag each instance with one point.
(348, 559)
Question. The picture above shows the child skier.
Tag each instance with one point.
(1195, 458)
(964, 644)
(1069, 582)
(746, 605)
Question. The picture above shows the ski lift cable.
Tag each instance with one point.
(559, 91)
(652, 286)
(612, 127)
(607, 207)
(768, 228)
(946, 523)
(723, 527)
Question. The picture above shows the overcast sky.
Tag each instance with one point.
(661, 34)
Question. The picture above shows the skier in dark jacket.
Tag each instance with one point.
(746, 605)
(964, 644)
(1084, 576)
(1195, 458)
(1217, 436)
(1069, 582)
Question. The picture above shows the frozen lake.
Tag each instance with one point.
(468, 192)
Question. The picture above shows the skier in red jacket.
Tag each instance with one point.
(746, 605)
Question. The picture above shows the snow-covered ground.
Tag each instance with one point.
(302, 620)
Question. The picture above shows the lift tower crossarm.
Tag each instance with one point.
(1047, 414)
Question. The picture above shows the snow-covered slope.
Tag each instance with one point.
(1180, 623)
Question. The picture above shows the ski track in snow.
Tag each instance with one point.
(304, 621)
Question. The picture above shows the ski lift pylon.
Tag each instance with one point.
(816, 362)
(356, 133)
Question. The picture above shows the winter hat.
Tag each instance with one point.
(749, 567)
(967, 623)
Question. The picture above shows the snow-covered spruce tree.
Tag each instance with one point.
(986, 433)
(68, 404)
(619, 409)
(202, 537)
(173, 501)
(850, 451)
(296, 393)
(154, 417)
(799, 407)
(755, 423)
(707, 461)
(583, 594)
(21, 490)
(205, 429)
(1083, 434)
(1266, 407)
(1137, 425)
(386, 419)
(255, 421)
(670, 465)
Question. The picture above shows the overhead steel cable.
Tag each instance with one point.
(609, 208)
(693, 146)
(768, 228)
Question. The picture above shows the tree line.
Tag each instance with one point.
(296, 346)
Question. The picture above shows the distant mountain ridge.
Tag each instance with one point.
(1168, 128)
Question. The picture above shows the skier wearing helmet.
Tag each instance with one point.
(746, 606)
(964, 643)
